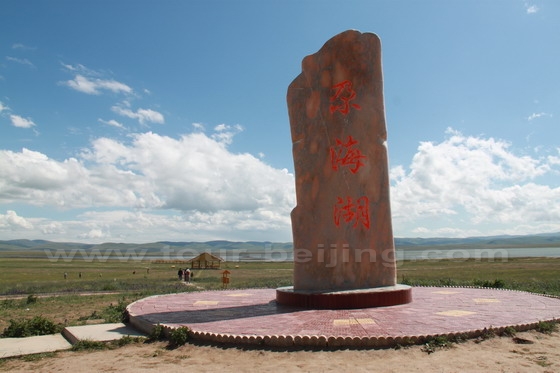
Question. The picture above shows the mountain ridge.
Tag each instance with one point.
(534, 240)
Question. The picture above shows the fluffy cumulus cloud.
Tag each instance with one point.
(195, 172)
(192, 185)
(153, 187)
(466, 185)
(11, 221)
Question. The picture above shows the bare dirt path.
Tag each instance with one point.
(499, 354)
(60, 294)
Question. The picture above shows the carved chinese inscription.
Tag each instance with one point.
(353, 212)
(341, 100)
(347, 154)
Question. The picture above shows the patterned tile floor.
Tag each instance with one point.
(251, 316)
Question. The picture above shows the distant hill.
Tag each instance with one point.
(537, 240)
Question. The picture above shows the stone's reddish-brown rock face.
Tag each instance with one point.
(341, 225)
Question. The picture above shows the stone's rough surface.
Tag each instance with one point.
(341, 225)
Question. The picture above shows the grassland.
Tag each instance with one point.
(76, 299)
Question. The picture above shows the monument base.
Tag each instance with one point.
(345, 299)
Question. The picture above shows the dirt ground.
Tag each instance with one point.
(498, 354)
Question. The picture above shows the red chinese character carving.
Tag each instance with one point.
(348, 211)
(342, 97)
(343, 154)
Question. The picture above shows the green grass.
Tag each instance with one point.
(129, 281)
(37, 276)
(539, 275)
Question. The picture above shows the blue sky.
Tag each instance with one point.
(139, 121)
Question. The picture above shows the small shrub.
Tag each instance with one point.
(115, 313)
(27, 328)
(546, 327)
(157, 334)
(126, 340)
(31, 299)
(447, 282)
(93, 316)
(109, 287)
(496, 284)
(8, 304)
(436, 343)
(16, 329)
(179, 336)
(89, 345)
(509, 331)
(487, 334)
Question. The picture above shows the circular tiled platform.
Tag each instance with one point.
(252, 316)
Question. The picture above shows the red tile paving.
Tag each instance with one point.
(252, 316)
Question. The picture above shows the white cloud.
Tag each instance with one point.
(11, 221)
(91, 86)
(52, 228)
(23, 47)
(196, 172)
(144, 116)
(111, 122)
(471, 181)
(21, 122)
(531, 8)
(554, 160)
(81, 69)
(21, 61)
(224, 133)
(95, 234)
(3, 107)
(198, 126)
(199, 185)
(538, 115)
(155, 187)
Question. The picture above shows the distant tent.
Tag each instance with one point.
(206, 260)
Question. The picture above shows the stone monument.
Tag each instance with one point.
(344, 253)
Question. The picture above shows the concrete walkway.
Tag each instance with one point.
(10, 347)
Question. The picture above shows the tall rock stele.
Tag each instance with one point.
(342, 230)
